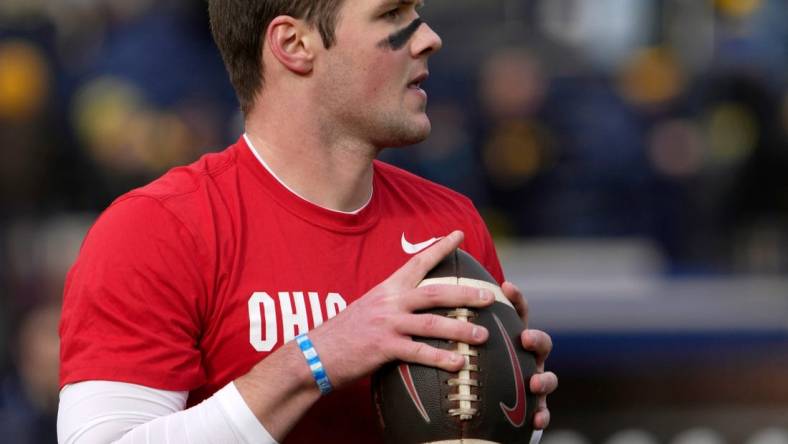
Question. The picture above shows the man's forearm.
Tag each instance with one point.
(94, 412)
(279, 390)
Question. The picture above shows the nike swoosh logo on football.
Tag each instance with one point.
(410, 248)
(515, 415)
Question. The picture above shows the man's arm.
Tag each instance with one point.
(98, 412)
(372, 331)
(277, 391)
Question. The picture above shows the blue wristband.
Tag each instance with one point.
(313, 360)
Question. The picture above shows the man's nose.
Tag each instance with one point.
(426, 41)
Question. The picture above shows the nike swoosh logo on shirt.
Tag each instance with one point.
(410, 248)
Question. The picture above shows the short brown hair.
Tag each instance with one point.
(239, 27)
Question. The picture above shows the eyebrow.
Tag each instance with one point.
(389, 3)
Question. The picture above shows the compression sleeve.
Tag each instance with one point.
(93, 412)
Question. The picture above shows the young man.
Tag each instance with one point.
(180, 312)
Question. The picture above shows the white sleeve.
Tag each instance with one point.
(94, 412)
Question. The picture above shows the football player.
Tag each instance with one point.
(224, 301)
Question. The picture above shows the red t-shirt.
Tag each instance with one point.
(188, 282)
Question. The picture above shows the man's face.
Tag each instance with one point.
(370, 80)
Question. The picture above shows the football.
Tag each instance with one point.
(488, 401)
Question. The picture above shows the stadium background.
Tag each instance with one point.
(630, 156)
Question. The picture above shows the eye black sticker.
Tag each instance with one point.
(397, 40)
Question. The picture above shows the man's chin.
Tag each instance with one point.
(412, 134)
(396, 132)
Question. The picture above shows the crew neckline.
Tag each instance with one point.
(358, 220)
(265, 165)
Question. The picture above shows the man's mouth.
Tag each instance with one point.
(416, 82)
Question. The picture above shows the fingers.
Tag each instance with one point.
(420, 353)
(437, 326)
(543, 384)
(517, 299)
(416, 268)
(542, 415)
(431, 296)
(538, 342)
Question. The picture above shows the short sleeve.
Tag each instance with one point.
(134, 300)
(489, 256)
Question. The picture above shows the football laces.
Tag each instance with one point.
(467, 401)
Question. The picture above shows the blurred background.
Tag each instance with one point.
(629, 156)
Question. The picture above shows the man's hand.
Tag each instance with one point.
(542, 383)
(379, 327)
(375, 329)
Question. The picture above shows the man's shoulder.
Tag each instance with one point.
(188, 193)
(188, 179)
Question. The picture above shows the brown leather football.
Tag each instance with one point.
(488, 401)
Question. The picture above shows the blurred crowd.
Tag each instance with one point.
(665, 120)
(659, 120)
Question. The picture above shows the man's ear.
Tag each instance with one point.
(291, 42)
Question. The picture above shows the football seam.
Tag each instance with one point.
(467, 402)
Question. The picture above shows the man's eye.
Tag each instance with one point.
(394, 14)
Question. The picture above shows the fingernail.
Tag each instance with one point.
(476, 333)
(484, 295)
(455, 358)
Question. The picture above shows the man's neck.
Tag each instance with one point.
(333, 174)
